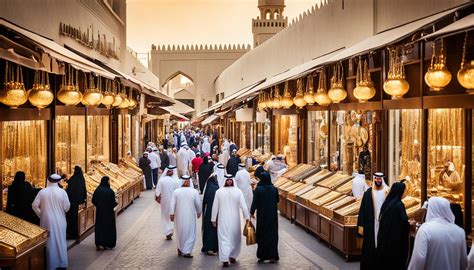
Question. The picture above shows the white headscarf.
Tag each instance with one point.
(451, 167)
(174, 176)
(439, 208)
(220, 172)
(184, 178)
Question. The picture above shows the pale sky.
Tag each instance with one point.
(196, 21)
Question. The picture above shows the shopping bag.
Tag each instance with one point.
(251, 237)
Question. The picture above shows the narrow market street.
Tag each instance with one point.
(140, 245)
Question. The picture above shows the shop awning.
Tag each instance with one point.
(463, 24)
(210, 119)
(182, 108)
(176, 114)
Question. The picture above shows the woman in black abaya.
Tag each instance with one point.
(20, 197)
(205, 170)
(104, 201)
(265, 202)
(77, 194)
(393, 235)
(209, 232)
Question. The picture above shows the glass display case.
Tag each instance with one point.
(318, 138)
(446, 154)
(70, 145)
(286, 137)
(405, 149)
(98, 148)
(263, 136)
(124, 134)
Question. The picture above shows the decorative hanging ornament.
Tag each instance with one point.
(309, 93)
(117, 97)
(40, 95)
(286, 101)
(133, 102)
(14, 93)
(466, 72)
(261, 103)
(321, 96)
(395, 85)
(93, 96)
(337, 93)
(276, 102)
(438, 76)
(69, 93)
(299, 99)
(364, 89)
(108, 96)
(125, 101)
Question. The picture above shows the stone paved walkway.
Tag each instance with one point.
(140, 245)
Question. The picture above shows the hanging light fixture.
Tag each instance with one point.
(438, 76)
(93, 96)
(108, 96)
(133, 103)
(364, 89)
(276, 102)
(466, 72)
(309, 93)
(299, 99)
(286, 101)
(40, 95)
(125, 101)
(261, 101)
(14, 93)
(395, 85)
(69, 93)
(337, 93)
(321, 96)
(117, 97)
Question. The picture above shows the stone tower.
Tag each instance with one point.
(270, 21)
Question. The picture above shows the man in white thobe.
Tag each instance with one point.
(226, 217)
(277, 168)
(244, 183)
(185, 208)
(190, 152)
(155, 164)
(206, 146)
(224, 157)
(184, 160)
(167, 184)
(51, 205)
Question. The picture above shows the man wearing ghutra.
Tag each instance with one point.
(244, 183)
(167, 184)
(226, 217)
(183, 160)
(368, 219)
(51, 205)
(185, 208)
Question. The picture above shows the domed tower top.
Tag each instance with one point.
(271, 9)
(270, 21)
(271, 3)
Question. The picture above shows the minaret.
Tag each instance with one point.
(270, 21)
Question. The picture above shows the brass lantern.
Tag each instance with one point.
(395, 85)
(438, 76)
(117, 97)
(337, 93)
(69, 93)
(309, 93)
(286, 101)
(269, 100)
(40, 95)
(276, 102)
(299, 99)
(108, 96)
(321, 96)
(466, 72)
(364, 89)
(133, 103)
(125, 101)
(14, 93)
(92, 96)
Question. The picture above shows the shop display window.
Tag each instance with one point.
(243, 135)
(98, 148)
(124, 139)
(318, 138)
(136, 135)
(405, 149)
(24, 149)
(70, 143)
(286, 138)
(446, 154)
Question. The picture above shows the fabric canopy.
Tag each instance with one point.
(210, 119)
(459, 25)
(176, 114)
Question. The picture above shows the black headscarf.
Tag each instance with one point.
(259, 171)
(394, 196)
(76, 187)
(104, 182)
(265, 179)
(19, 179)
(20, 197)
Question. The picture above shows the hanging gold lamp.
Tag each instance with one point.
(40, 95)
(108, 96)
(14, 94)
(395, 85)
(286, 101)
(466, 72)
(92, 96)
(438, 76)
(309, 93)
(321, 96)
(125, 101)
(117, 97)
(133, 103)
(337, 93)
(364, 89)
(299, 99)
(69, 93)
(276, 102)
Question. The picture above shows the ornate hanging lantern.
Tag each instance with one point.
(438, 76)
(286, 101)
(108, 96)
(40, 95)
(133, 103)
(337, 93)
(299, 99)
(125, 101)
(69, 93)
(466, 72)
(395, 85)
(117, 97)
(93, 96)
(261, 102)
(364, 89)
(14, 93)
(309, 93)
(321, 96)
(276, 102)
